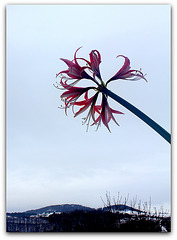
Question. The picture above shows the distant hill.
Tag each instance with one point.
(60, 208)
(120, 207)
(53, 208)
(64, 208)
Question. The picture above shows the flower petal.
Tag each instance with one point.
(125, 73)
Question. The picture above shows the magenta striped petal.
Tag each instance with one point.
(125, 73)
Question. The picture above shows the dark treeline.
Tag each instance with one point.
(89, 221)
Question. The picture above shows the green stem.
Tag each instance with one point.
(139, 114)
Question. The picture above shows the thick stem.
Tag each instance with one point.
(139, 114)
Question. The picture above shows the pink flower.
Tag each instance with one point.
(98, 113)
(85, 104)
(105, 113)
(95, 60)
(74, 71)
(72, 94)
(125, 73)
(93, 64)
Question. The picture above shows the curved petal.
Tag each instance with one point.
(95, 60)
(125, 73)
(126, 65)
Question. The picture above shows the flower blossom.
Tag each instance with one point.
(72, 94)
(96, 112)
(106, 113)
(74, 71)
(95, 60)
(125, 73)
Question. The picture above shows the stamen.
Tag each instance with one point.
(61, 107)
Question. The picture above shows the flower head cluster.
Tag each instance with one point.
(80, 96)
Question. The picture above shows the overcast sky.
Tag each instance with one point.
(51, 159)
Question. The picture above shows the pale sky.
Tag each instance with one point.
(51, 159)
